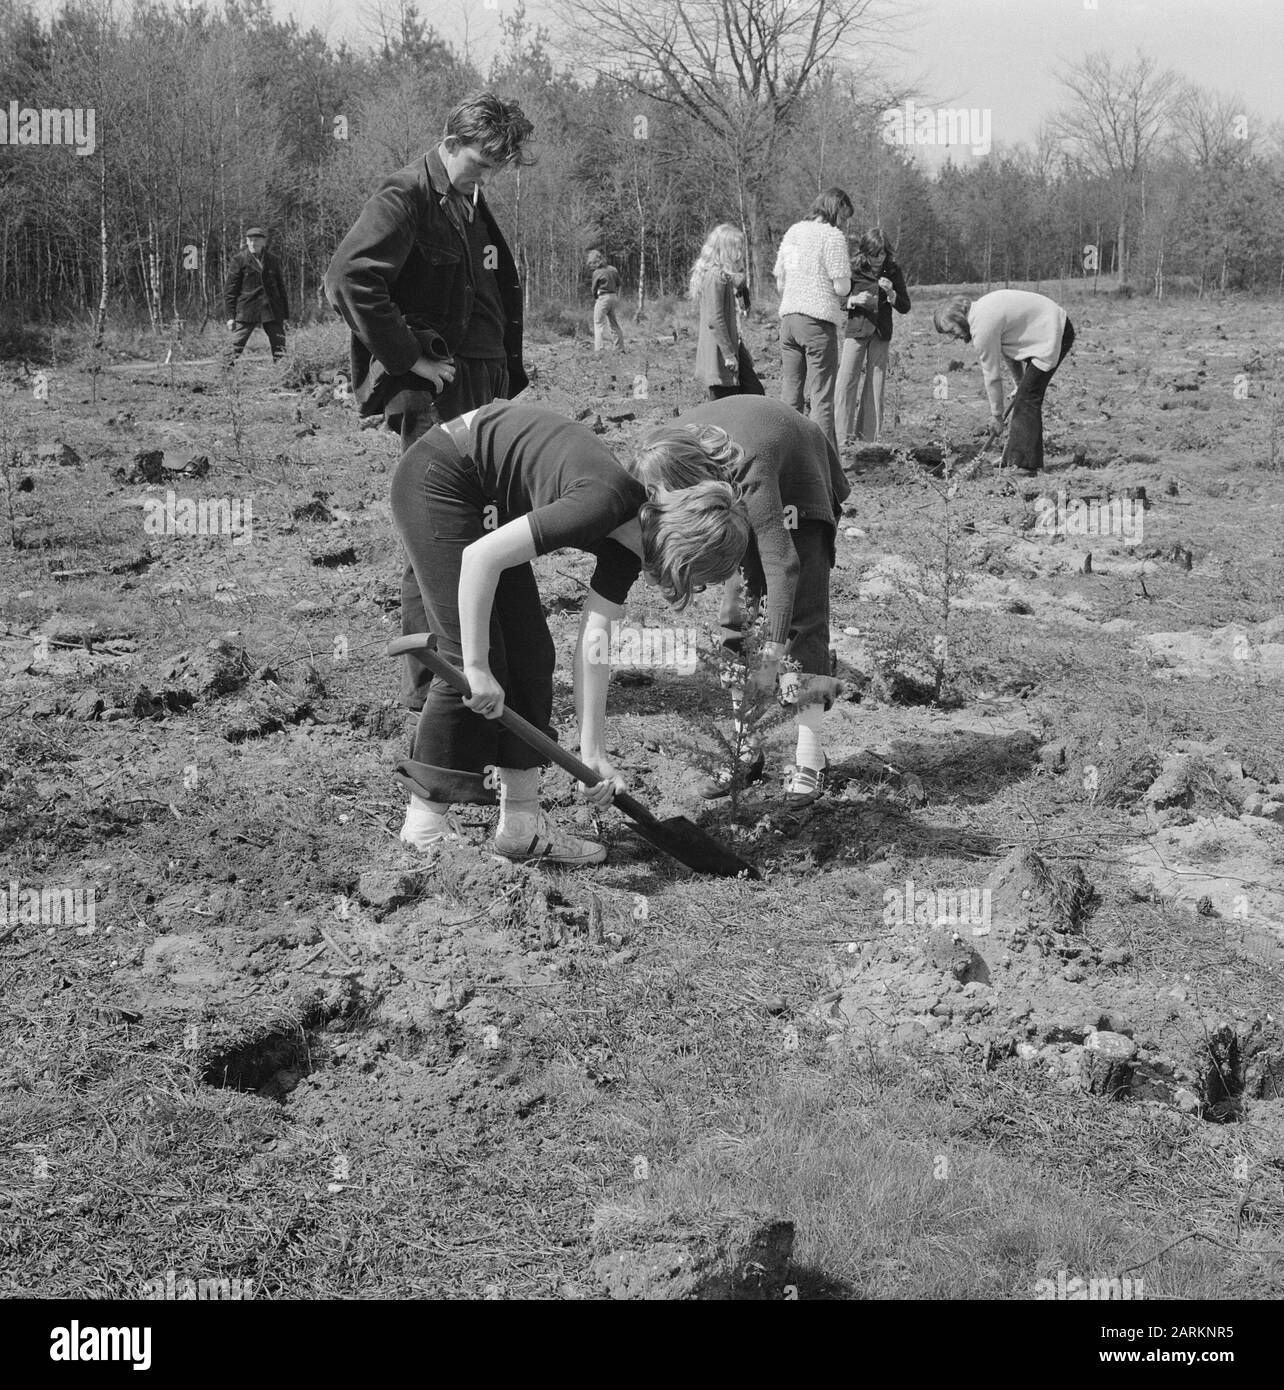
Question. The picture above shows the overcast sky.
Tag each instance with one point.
(995, 54)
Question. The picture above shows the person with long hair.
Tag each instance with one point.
(878, 287)
(724, 365)
(793, 488)
(813, 272)
(474, 501)
(1030, 334)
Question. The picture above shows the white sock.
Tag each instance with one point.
(426, 821)
(518, 802)
(811, 752)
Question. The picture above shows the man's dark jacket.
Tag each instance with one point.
(254, 295)
(404, 280)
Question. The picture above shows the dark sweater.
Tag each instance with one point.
(899, 298)
(788, 462)
(535, 463)
(606, 280)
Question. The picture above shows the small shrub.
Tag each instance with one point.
(553, 319)
(313, 354)
(25, 341)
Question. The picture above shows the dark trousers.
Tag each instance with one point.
(477, 383)
(439, 508)
(749, 385)
(274, 329)
(809, 629)
(1024, 448)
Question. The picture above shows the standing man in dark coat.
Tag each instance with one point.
(255, 295)
(429, 288)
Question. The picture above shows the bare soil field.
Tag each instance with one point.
(245, 1035)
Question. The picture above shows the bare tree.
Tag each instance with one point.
(1211, 129)
(1111, 126)
(738, 68)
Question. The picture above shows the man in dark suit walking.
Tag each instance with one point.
(255, 295)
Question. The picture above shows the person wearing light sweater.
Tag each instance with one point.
(813, 273)
(1030, 334)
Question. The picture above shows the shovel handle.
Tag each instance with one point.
(420, 644)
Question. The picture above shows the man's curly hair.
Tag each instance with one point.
(498, 128)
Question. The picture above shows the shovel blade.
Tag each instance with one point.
(683, 840)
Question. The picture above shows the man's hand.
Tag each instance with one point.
(487, 696)
(601, 794)
(866, 299)
(438, 374)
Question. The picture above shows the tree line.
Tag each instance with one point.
(653, 121)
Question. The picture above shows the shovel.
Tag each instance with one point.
(678, 837)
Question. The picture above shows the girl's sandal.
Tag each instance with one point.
(805, 785)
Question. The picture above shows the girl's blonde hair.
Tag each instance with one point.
(723, 249)
(676, 456)
(692, 538)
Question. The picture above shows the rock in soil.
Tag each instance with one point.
(734, 1257)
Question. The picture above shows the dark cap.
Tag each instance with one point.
(256, 231)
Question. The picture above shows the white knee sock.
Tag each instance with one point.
(811, 752)
(518, 801)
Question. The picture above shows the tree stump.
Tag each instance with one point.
(1107, 1064)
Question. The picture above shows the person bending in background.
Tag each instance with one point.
(606, 299)
(723, 362)
(793, 488)
(1031, 334)
(429, 288)
(474, 501)
(878, 287)
(813, 273)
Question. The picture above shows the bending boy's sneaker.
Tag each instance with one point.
(423, 828)
(805, 785)
(551, 844)
(719, 784)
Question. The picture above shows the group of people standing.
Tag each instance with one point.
(827, 289)
(743, 491)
